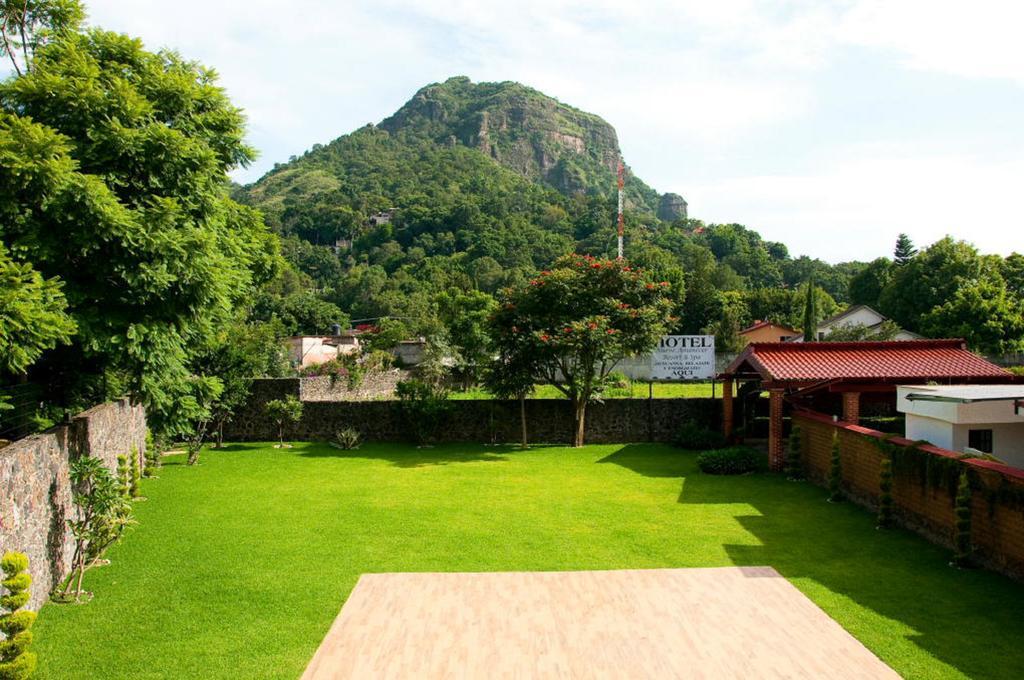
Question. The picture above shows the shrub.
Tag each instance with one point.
(794, 457)
(1016, 370)
(154, 447)
(835, 473)
(617, 384)
(124, 477)
(102, 514)
(347, 438)
(281, 411)
(16, 661)
(695, 437)
(737, 460)
(962, 541)
(424, 406)
(134, 475)
(885, 494)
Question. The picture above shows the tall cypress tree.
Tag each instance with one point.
(905, 250)
(810, 313)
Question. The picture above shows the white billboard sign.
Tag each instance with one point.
(684, 357)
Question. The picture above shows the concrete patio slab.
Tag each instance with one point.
(736, 622)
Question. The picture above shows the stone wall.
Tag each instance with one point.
(35, 492)
(548, 420)
(927, 507)
(375, 385)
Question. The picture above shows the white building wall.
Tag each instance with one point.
(935, 431)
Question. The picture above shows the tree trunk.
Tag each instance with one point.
(522, 418)
(220, 434)
(579, 413)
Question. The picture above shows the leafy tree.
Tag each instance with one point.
(465, 317)
(983, 313)
(32, 316)
(574, 322)
(727, 328)
(26, 25)
(810, 313)
(282, 412)
(113, 165)
(1013, 274)
(237, 354)
(904, 251)
(928, 280)
(865, 287)
(16, 661)
(855, 332)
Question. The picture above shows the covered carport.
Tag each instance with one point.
(808, 373)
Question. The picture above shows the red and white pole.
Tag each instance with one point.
(621, 224)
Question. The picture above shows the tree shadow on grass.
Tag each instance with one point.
(408, 456)
(967, 619)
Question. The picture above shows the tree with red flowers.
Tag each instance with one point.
(571, 325)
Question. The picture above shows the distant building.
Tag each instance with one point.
(766, 331)
(310, 350)
(967, 418)
(857, 316)
(382, 217)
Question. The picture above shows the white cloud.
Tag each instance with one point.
(855, 208)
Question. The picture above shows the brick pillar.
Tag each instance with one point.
(776, 454)
(728, 419)
(851, 407)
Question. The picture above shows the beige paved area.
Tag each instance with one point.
(732, 622)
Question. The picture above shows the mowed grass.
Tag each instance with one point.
(238, 567)
(635, 390)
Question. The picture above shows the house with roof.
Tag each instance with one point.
(967, 418)
(767, 331)
(856, 316)
(834, 377)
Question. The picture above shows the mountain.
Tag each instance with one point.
(526, 131)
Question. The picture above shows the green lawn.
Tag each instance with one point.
(637, 390)
(238, 566)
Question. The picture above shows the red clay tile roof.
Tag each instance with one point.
(910, 360)
(764, 324)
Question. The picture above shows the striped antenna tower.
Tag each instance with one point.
(621, 225)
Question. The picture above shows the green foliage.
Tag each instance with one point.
(964, 549)
(885, 503)
(794, 454)
(738, 460)
(32, 316)
(282, 412)
(904, 251)
(835, 473)
(696, 437)
(114, 164)
(853, 332)
(571, 325)
(810, 321)
(27, 25)
(465, 317)
(347, 438)
(866, 286)
(16, 661)
(425, 408)
(153, 451)
(102, 514)
(124, 478)
(134, 474)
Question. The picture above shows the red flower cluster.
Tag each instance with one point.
(623, 305)
(567, 329)
(545, 338)
(591, 325)
(611, 331)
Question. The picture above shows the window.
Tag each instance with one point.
(980, 440)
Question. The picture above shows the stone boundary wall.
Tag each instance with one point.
(376, 385)
(35, 491)
(997, 519)
(497, 421)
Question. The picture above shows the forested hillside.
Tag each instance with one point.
(482, 185)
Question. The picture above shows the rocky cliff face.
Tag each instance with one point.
(672, 207)
(525, 130)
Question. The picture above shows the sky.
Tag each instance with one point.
(830, 126)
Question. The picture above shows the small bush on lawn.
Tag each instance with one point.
(347, 438)
(737, 460)
(697, 438)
